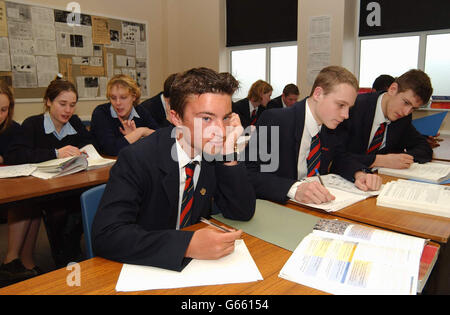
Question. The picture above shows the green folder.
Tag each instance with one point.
(275, 224)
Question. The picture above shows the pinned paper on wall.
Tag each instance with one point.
(38, 42)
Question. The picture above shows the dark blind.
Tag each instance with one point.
(261, 21)
(401, 16)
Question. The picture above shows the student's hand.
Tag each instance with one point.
(393, 160)
(367, 182)
(210, 243)
(128, 126)
(313, 192)
(234, 130)
(68, 151)
(144, 131)
(434, 141)
(1, 160)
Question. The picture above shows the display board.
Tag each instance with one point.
(37, 43)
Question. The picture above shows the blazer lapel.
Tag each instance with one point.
(371, 108)
(299, 126)
(171, 175)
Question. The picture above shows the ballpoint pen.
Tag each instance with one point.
(213, 224)
(320, 178)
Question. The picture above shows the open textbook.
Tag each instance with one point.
(416, 196)
(346, 193)
(238, 267)
(432, 172)
(90, 159)
(344, 258)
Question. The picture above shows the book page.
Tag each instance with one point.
(95, 160)
(365, 234)
(338, 182)
(345, 267)
(16, 170)
(343, 199)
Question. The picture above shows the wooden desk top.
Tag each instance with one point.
(99, 276)
(21, 188)
(408, 222)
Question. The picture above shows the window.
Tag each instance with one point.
(283, 68)
(393, 56)
(437, 63)
(276, 64)
(248, 66)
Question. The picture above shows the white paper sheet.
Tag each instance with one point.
(16, 170)
(238, 267)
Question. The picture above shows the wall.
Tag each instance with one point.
(306, 10)
(193, 34)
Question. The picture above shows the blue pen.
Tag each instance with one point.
(320, 178)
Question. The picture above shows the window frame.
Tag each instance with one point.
(267, 47)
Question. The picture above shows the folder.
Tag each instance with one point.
(429, 125)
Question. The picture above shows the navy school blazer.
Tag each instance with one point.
(155, 107)
(242, 109)
(105, 128)
(33, 145)
(401, 136)
(136, 219)
(275, 185)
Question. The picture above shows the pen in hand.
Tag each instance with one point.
(214, 225)
(320, 178)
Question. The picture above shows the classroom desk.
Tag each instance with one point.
(99, 276)
(28, 188)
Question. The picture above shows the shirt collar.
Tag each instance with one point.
(183, 158)
(251, 107)
(379, 117)
(310, 122)
(133, 113)
(49, 128)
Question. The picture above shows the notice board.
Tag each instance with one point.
(37, 43)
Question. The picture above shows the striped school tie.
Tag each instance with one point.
(188, 196)
(377, 139)
(313, 160)
(253, 117)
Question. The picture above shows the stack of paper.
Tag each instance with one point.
(90, 159)
(415, 196)
(432, 172)
(238, 267)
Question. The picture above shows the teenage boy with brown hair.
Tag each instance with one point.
(163, 183)
(308, 140)
(380, 132)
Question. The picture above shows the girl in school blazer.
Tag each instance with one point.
(8, 127)
(121, 122)
(57, 133)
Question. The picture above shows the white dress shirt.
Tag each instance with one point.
(310, 129)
